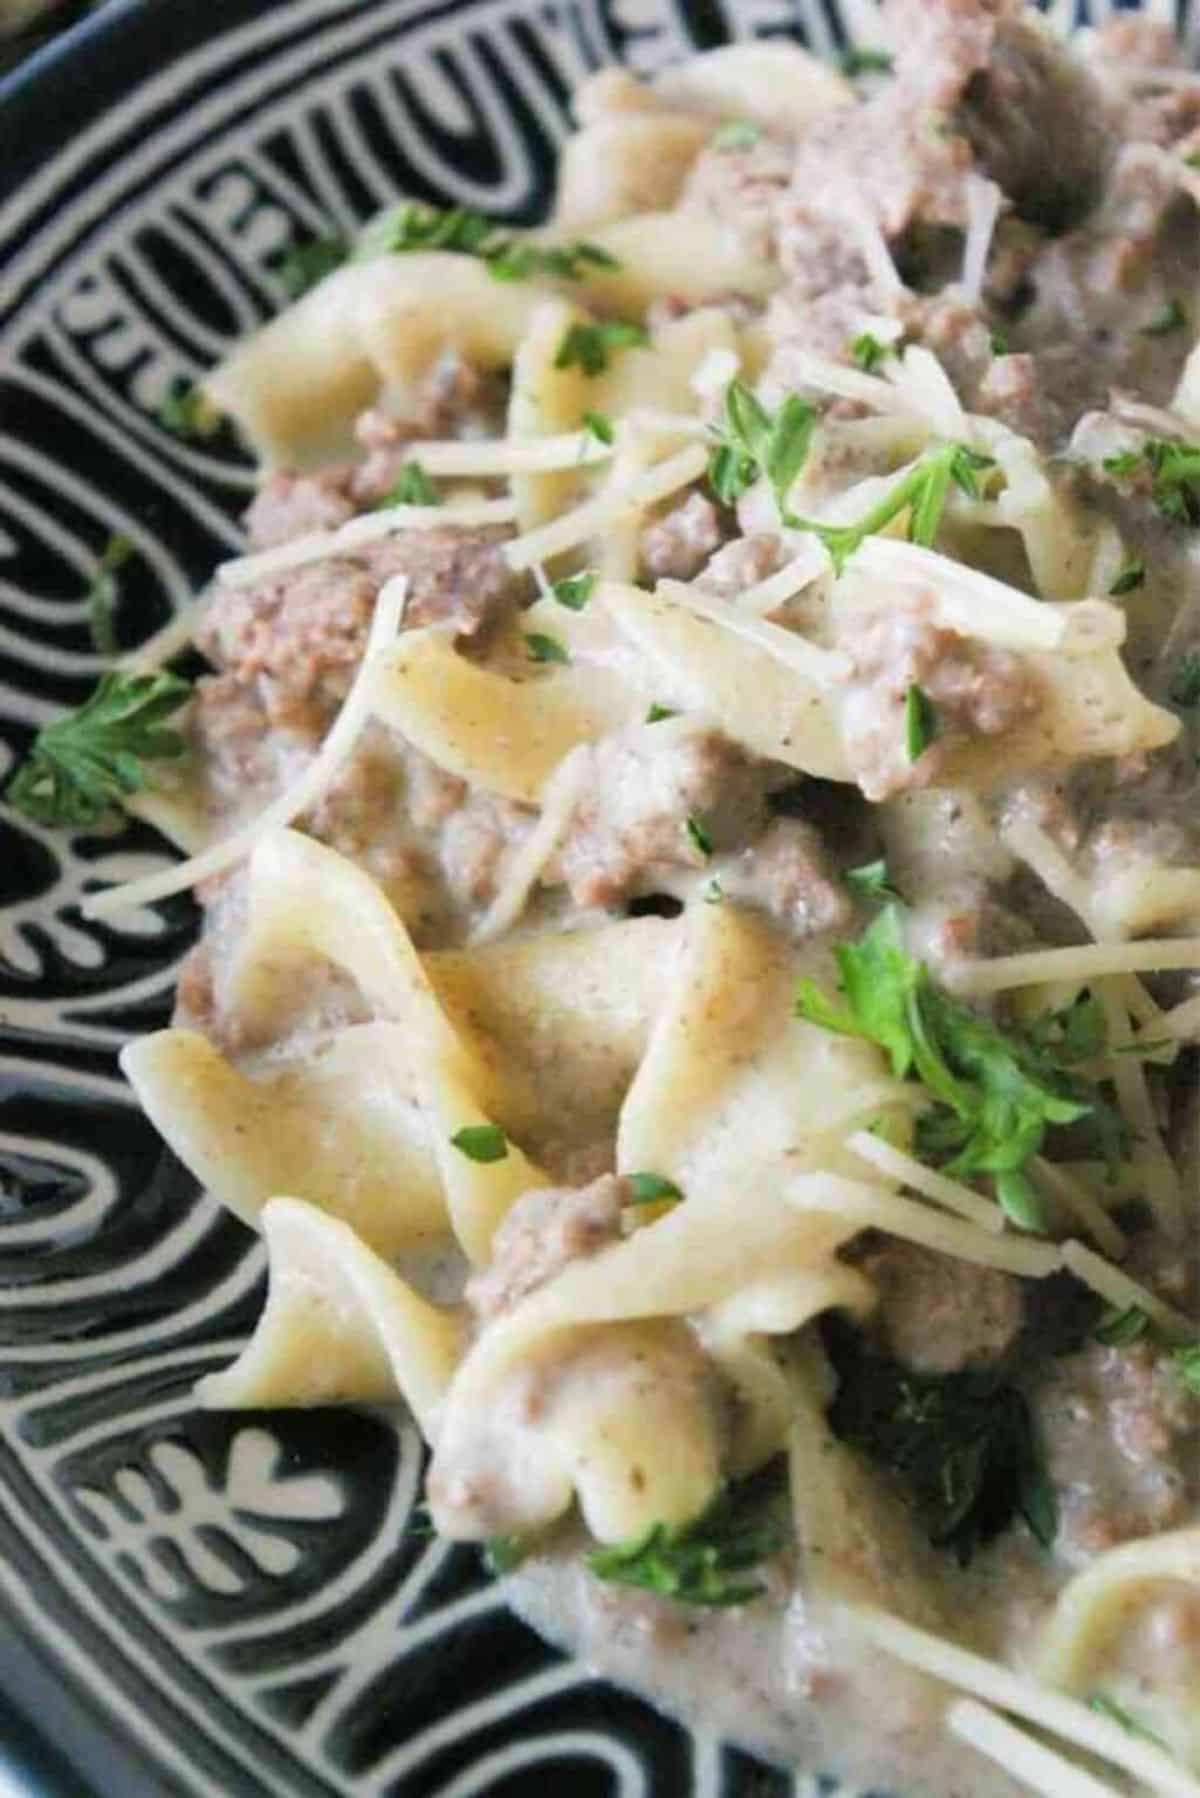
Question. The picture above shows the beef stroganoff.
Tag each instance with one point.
(695, 810)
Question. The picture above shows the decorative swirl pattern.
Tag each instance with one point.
(244, 1602)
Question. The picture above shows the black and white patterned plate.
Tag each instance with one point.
(190, 1604)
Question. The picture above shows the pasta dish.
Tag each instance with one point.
(693, 794)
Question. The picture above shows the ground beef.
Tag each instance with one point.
(454, 399)
(475, 840)
(1113, 1422)
(545, 1230)
(959, 336)
(741, 564)
(975, 690)
(676, 545)
(1010, 390)
(789, 874)
(644, 787)
(937, 1314)
(295, 505)
(298, 640)
(742, 189)
(228, 728)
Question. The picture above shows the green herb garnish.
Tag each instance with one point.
(185, 411)
(104, 594)
(599, 427)
(1117, 1329)
(871, 881)
(701, 1563)
(922, 493)
(541, 648)
(502, 1553)
(413, 227)
(921, 726)
(657, 713)
(307, 263)
(84, 765)
(481, 1142)
(738, 134)
(1174, 470)
(999, 344)
(750, 441)
(1173, 317)
(1104, 1706)
(653, 1189)
(868, 352)
(1131, 576)
(590, 346)
(412, 487)
(574, 591)
(513, 260)
(699, 835)
(994, 1092)
(962, 1443)
(865, 61)
(1186, 1362)
(1185, 682)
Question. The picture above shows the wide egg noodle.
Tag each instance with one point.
(339, 1326)
(306, 901)
(545, 400)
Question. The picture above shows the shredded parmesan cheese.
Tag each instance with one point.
(807, 369)
(824, 666)
(589, 519)
(930, 392)
(950, 1193)
(984, 200)
(301, 796)
(511, 455)
(1073, 1196)
(1020, 1755)
(1085, 964)
(370, 527)
(974, 604)
(1120, 1290)
(766, 595)
(874, 1207)
(519, 878)
(1008, 1691)
(715, 370)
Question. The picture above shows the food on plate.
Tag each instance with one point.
(694, 803)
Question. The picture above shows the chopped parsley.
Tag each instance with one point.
(574, 590)
(920, 722)
(922, 493)
(865, 60)
(1117, 1329)
(1104, 1706)
(412, 487)
(481, 1142)
(999, 344)
(714, 893)
(1185, 682)
(598, 426)
(994, 1092)
(1173, 317)
(962, 1444)
(653, 1189)
(1186, 1362)
(699, 835)
(750, 441)
(700, 1563)
(590, 346)
(185, 412)
(871, 881)
(1174, 472)
(1131, 576)
(502, 1553)
(657, 713)
(542, 648)
(307, 263)
(737, 134)
(516, 261)
(85, 764)
(868, 352)
(104, 594)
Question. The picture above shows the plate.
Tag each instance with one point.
(211, 1606)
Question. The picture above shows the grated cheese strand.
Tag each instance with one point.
(590, 518)
(974, 604)
(369, 527)
(1023, 1758)
(511, 455)
(1009, 1691)
(765, 595)
(824, 666)
(1085, 963)
(1122, 1291)
(301, 796)
(877, 1208)
(926, 1180)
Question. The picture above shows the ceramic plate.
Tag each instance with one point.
(195, 1604)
